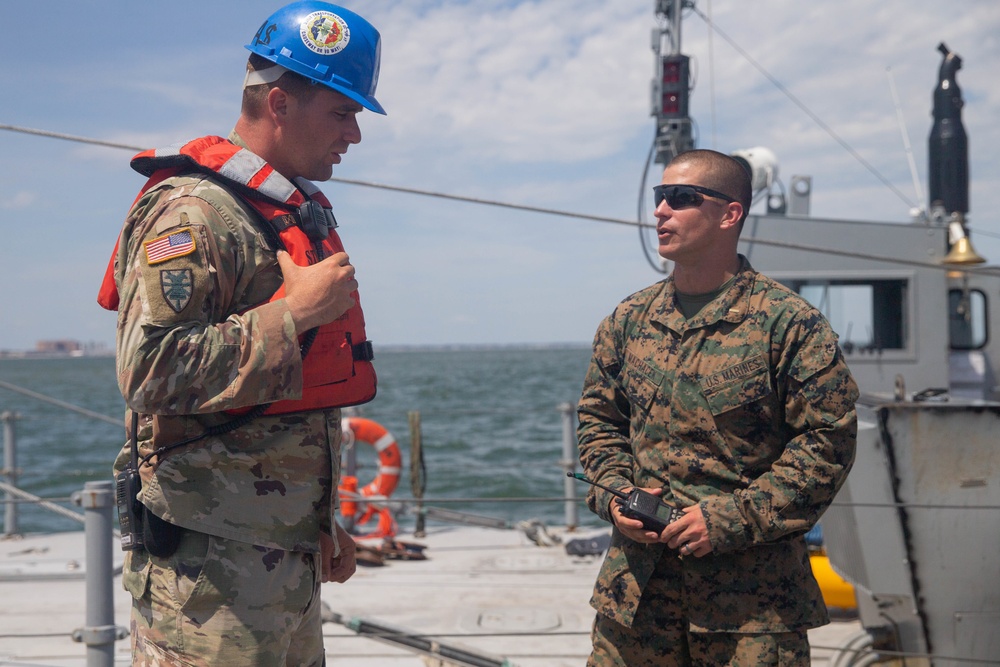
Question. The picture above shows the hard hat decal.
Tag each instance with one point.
(263, 35)
(325, 33)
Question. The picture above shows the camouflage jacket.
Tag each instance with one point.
(748, 410)
(197, 336)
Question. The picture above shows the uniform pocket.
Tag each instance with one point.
(737, 385)
(640, 381)
(135, 573)
(333, 347)
(768, 588)
(193, 566)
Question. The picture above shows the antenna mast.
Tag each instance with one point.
(672, 85)
(919, 213)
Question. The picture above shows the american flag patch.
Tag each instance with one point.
(176, 244)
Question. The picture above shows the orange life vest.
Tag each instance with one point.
(337, 369)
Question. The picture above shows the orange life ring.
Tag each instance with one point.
(357, 429)
(390, 462)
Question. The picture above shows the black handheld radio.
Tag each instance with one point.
(642, 505)
(127, 487)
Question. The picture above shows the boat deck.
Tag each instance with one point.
(483, 596)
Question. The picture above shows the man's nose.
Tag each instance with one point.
(353, 132)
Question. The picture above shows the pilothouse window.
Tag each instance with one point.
(868, 315)
(966, 319)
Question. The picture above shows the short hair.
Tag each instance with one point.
(721, 172)
(254, 97)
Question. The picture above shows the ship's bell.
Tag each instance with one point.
(961, 251)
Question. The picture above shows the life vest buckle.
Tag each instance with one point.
(363, 351)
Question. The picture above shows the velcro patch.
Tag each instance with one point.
(734, 373)
(175, 244)
(177, 288)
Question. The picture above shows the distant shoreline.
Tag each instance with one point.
(453, 347)
(444, 347)
(32, 354)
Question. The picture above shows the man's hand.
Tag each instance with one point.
(632, 528)
(342, 567)
(689, 534)
(319, 293)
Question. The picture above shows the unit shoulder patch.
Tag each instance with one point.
(169, 246)
(177, 287)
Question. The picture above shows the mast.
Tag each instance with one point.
(672, 85)
(948, 157)
(948, 152)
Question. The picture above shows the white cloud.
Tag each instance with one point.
(20, 200)
(541, 81)
(540, 102)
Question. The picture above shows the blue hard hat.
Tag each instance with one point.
(327, 44)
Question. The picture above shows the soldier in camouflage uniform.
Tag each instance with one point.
(243, 522)
(727, 394)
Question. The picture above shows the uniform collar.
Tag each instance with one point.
(732, 306)
(237, 139)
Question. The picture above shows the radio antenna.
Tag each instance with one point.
(920, 212)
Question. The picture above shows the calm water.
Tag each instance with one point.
(490, 424)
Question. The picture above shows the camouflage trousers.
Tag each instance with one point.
(670, 645)
(660, 637)
(221, 603)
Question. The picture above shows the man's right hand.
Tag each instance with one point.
(319, 293)
(632, 528)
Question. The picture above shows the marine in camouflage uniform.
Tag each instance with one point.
(744, 415)
(248, 514)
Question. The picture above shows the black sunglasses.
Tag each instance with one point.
(685, 196)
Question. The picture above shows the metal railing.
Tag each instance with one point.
(99, 631)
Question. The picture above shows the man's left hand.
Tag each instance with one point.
(342, 567)
(688, 534)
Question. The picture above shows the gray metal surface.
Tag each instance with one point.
(904, 252)
(922, 536)
(947, 463)
(865, 541)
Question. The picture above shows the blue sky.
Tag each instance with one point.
(543, 103)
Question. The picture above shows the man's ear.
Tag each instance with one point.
(277, 105)
(734, 213)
